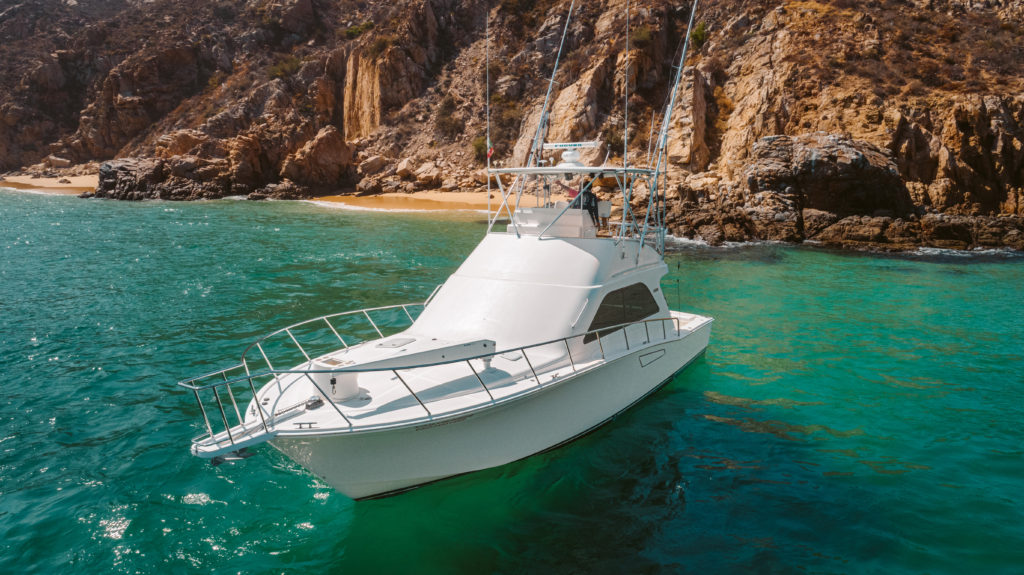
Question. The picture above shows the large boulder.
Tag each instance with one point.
(372, 165)
(404, 168)
(323, 161)
(428, 175)
(827, 172)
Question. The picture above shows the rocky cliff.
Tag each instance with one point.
(883, 124)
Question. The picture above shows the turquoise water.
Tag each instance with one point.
(854, 414)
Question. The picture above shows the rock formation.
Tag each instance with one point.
(883, 124)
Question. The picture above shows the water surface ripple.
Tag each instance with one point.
(853, 414)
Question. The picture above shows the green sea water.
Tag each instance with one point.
(853, 413)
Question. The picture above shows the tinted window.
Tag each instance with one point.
(628, 304)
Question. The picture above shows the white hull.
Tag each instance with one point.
(374, 463)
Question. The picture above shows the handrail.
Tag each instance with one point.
(212, 373)
(324, 318)
(429, 299)
(223, 380)
(604, 331)
(600, 332)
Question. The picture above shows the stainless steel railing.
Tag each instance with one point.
(242, 376)
(228, 379)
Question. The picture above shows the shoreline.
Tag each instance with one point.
(477, 202)
(74, 185)
(426, 201)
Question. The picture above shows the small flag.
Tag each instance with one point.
(490, 149)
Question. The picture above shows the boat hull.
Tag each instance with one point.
(376, 463)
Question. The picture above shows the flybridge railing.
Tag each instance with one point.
(537, 181)
(215, 383)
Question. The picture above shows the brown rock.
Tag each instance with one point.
(854, 230)
(283, 190)
(689, 131)
(816, 221)
(178, 142)
(428, 175)
(55, 162)
(368, 187)
(944, 231)
(134, 94)
(295, 16)
(322, 161)
(827, 172)
(372, 165)
(404, 168)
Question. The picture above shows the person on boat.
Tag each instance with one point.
(589, 203)
(585, 200)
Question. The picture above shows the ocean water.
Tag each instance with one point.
(853, 414)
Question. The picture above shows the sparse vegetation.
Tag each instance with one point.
(527, 14)
(285, 67)
(446, 122)
(379, 45)
(723, 103)
(715, 68)
(641, 37)
(699, 35)
(506, 117)
(480, 148)
(613, 138)
(914, 88)
(357, 31)
(216, 79)
(572, 66)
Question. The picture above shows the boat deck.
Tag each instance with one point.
(291, 402)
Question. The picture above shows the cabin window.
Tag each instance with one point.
(625, 305)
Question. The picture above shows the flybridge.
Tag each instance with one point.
(550, 217)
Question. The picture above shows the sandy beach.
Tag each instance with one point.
(419, 201)
(429, 200)
(75, 185)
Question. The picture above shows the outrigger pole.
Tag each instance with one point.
(537, 146)
(538, 137)
(657, 195)
(487, 99)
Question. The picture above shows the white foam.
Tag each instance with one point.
(344, 206)
(39, 192)
(976, 252)
(676, 241)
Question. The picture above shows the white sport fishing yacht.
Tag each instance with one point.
(553, 325)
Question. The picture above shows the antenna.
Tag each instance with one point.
(656, 194)
(487, 99)
(666, 121)
(625, 97)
